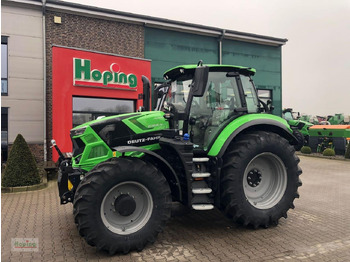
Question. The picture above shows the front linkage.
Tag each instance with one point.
(68, 177)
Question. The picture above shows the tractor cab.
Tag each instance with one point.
(202, 100)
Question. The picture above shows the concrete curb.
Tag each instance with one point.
(17, 189)
(23, 188)
(321, 156)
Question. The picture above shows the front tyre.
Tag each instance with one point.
(260, 179)
(300, 138)
(122, 204)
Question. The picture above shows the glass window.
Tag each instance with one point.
(87, 108)
(178, 94)
(265, 95)
(81, 118)
(4, 56)
(212, 111)
(288, 116)
(4, 134)
(160, 94)
(250, 94)
(3, 86)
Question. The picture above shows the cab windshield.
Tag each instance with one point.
(178, 93)
(288, 116)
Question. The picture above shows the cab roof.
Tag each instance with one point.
(177, 71)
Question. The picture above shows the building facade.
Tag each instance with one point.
(22, 77)
(44, 41)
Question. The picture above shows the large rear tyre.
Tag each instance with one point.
(122, 204)
(260, 179)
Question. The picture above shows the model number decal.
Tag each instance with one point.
(143, 140)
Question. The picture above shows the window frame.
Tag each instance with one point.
(4, 41)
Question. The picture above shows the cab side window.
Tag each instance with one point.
(250, 94)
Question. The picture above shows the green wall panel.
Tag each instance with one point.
(265, 59)
(168, 48)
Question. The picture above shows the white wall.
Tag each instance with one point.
(25, 99)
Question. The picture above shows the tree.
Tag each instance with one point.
(21, 168)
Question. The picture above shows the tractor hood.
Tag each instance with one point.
(139, 129)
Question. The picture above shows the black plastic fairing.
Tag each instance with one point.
(113, 131)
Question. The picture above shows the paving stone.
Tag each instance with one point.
(316, 230)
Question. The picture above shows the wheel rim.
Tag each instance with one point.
(265, 181)
(126, 208)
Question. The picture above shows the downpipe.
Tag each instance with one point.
(44, 75)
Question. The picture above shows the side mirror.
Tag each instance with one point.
(269, 104)
(200, 80)
(141, 109)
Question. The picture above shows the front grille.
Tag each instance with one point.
(98, 151)
(78, 146)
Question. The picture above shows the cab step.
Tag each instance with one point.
(200, 187)
(202, 198)
(200, 159)
(198, 175)
(202, 206)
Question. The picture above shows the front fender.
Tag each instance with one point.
(168, 172)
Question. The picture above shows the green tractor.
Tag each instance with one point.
(338, 119)
(300, 128)
(207, 145)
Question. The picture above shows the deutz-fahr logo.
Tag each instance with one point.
(84, 76)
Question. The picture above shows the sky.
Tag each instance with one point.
(315, 60)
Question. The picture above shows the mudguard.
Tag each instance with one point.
(248, 122)
(165, 167)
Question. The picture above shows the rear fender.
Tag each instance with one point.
(264, 124)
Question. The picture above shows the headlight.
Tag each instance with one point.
(78, 132)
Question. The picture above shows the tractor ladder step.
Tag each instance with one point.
(198, 175)
(202, 206)
(202, 202)
(200, 159)
(200, 187)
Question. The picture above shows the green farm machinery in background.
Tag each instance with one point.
(319, 132)
(300, 128)
(335, 137)
(338, 119)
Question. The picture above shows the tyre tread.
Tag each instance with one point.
(86, 192)
(235, 154)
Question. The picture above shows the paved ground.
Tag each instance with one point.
(318, 229)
